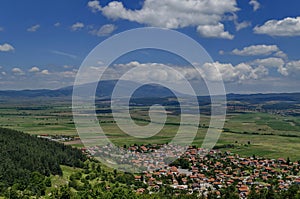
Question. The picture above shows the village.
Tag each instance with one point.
(202, 171)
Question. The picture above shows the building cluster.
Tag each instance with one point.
(202, 171)
(58, 138)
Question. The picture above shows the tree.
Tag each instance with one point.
(253, 194)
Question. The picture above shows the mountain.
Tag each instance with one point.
(104, 90)
(261, 98)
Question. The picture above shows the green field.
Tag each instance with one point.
(251, 133)
(38, 119)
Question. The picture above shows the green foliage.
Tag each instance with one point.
(25, 161)
(182, 162)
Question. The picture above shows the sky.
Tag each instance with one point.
(253, 43)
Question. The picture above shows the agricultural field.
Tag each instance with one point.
(247, 134)
(38, 119)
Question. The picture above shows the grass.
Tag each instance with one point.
(263, 123)
(59, 181)
(268, 146)
(50, 120)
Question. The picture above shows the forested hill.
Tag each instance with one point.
(23, 157)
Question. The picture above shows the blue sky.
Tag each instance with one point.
(253, 43)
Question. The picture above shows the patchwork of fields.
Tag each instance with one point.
(249, 133)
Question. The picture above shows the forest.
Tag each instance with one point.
(26, 161)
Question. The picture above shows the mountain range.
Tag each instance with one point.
(105, 88)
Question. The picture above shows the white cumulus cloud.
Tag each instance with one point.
(45, 72)
(6, 47)
(17, 71)
(256, 50)
(204, 14)
(77, 26)
(34, 69)
(270, 62)
(94, 5)
(214, 31)
(293, 68)
(286, 27)
(274, 62)
(215, 71)
(231, 73)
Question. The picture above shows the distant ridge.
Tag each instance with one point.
(104, 90)
(146, 91)
(260, 97)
